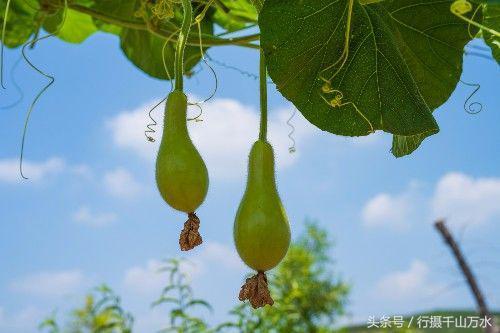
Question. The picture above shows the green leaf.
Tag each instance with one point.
(434, 58)
(127, 11)
(404, 60)
(21, 21)
(123, 9)
(491, 20)
(145, 51)
(237, 15)
(258, 4)
(378, 90)
(76, 29)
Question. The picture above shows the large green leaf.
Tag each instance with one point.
(492, 21)
(404, 60)
(21, 21)
(76, 28)
(441, 37)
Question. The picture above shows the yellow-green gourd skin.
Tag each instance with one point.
(261, 229)
(181, 174)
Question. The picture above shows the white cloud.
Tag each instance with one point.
(462, 199)
(148, 280)
(410, 284)
(35, 171)
(220, 254)
(457, 197)
(386, 210)
(50, 284)
(224, 137)
(85, 216)
(23, 321)
(121, 183)
(394, 211)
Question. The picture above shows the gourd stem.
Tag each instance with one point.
(181, 44)
(263, 97)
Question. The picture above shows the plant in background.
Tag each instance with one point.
(101, 313)
(311, 296)
(178, 295)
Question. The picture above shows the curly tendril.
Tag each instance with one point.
(474, 107)
(461, 7)
(336, 101)
(292, 149)
(44, 89)
(198, 19)
(327, 90)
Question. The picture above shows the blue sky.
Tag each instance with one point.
(90, 212)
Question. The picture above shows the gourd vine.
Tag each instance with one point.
(350, 67)
(181, 44)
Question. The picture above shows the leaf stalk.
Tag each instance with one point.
(263, 97)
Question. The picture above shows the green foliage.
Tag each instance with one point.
(235, 14)
(350, 66)
(308, 295)
(101, 313)
(403, 60)
(491, 14)
(22, 21)
(178, 296)
(75, 27)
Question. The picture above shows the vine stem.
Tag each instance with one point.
(181, 44)
(164, 33)
(263, 97)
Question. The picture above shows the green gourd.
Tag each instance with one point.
(261, 229)
(181, 174)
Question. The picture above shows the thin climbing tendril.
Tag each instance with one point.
(150, 130)
(292, 149)
(150, 126)
(43, 90)
(474, 107)
(16, 86)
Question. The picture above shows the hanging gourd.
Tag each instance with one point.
(181, 174)
(261, 229)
